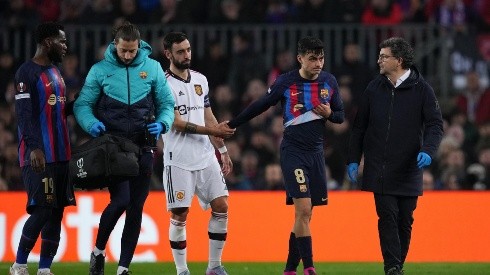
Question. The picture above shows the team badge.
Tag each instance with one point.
(198, 89)
(302, 188)
(180, 195)
(49, 198)
(21, 87)
(143, 75)
(324, 93)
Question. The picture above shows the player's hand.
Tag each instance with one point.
(423, 160)
(156, 128)
(227, 164)
(38, 161)
(97, 129)
(323, 110)
(223, 130)
(352, 170)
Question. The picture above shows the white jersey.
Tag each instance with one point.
(188, 151)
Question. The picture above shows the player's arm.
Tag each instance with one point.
(337, 114)
(219, 143)
(192, 128)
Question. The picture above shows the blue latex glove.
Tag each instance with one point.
(155, 128)
(352, 169)
(423, 160)
(97, 129)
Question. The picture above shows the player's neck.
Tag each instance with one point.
(41, 58)
(184, 74)
(304, 74)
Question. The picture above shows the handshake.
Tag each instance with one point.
(222, 130)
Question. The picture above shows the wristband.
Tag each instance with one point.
(223, 149)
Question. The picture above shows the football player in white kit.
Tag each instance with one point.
(190, 163)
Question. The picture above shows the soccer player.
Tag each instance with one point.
(119, 95)
(191, 167)
(309, 97)
(398, 128)
(44, 147)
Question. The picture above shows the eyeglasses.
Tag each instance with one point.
(383, 57)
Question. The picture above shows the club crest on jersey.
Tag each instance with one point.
(143, 75)
(302, 188)
(180, 195)
(198, 89)
(21, 87)
(324, 93)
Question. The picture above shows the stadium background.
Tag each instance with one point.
(241, 46)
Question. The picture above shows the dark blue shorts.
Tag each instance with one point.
(51, 188)
(304, 176)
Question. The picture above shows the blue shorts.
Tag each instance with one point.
(51, 188)
(304, 176)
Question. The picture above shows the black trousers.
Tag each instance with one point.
(395, 219)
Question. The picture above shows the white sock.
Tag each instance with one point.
(177, 233)
(19, 265)
(218, 223)
(97, 251)
(46, 270)
(120, 269)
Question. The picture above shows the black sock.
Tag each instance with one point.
(293, 254)
(305, 250)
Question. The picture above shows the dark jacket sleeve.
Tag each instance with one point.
(359, 128)
(433, 129)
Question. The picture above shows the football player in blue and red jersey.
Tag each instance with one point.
(44, 146)
(309, 98)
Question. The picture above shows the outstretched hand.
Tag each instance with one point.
(222, 130)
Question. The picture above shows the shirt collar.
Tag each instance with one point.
(402, 78)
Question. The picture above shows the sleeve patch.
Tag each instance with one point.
(22, 96)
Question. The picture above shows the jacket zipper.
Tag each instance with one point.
(129, 101)
(386, 139)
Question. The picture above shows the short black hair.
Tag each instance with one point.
(47, 29)
(127, 32)
(400, 48)
(310, 45)
(173, 37)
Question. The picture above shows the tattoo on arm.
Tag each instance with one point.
(190, 128)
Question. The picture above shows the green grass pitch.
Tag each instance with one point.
(271, 268)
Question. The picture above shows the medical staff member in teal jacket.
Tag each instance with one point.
(126, 94)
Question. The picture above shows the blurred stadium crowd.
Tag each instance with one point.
(236, 79)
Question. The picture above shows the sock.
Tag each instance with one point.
(120, 269)
(97, 251)
(24, 249)
(48, 251)
(305, 250)
(178, 243)
(217, 232)
(19, 265)
(293, 254)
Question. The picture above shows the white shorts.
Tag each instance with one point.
(181, 185)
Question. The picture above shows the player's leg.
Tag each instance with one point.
(179, 188)
(50, 234)
(139, 190)
(213, 192)
(40, 199)
(302, 214)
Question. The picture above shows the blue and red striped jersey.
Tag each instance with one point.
(40, 103)
(298, 97)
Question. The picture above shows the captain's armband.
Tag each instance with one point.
(190, 128)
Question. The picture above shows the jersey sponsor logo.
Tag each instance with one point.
(324, 93)
(295, 94)
(52, 99)
(184, 109)
(21, 87)
(180, 195)
(198, 89)
(109, 75)
(143, 75)
(181, 93)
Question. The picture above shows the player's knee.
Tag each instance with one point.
(219, 205)
(179, 214)
(303, 214)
